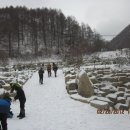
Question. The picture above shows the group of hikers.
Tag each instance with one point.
(49, 69)
(5, 103)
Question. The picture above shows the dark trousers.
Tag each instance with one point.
(49, 73)
(55, 71)
(41, 79)
(22, 108)
(3, 120)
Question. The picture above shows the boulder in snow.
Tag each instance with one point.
(79, 98)
(127, 85)
(120, 94)
(71, 85)
(6, 86)
(123, 79)
(121, 89)
(126, 95)
(99, 104)
(94, 80)
(109, 89)
(85, 86)
(121, 106)
(68, 77)
(128, 101)
(121, 100)
(128, 91)
(112, 97)
(116, 84)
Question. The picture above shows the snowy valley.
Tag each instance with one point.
(58, 105)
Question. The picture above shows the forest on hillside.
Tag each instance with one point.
(44, 32)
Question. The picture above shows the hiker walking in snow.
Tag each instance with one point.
(55, 68)
(21, 96)
(5, 103)
(49, 69)
(41, 72)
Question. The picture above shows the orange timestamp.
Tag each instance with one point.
(113, 111)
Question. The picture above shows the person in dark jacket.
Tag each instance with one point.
(41, 72)
(5, 103)
(49, 69)
(55, 68)
(21, 96)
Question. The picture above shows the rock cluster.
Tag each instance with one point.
(8, 77)
(108, 88)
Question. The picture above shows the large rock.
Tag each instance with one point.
(71, 85)
(85, 86)
(99, 85)
(110, 79)
(112, 97)
(127, 95)
(128, 101)
(68, 77)
(72, 72)
(120, 93)
(109, 89)
(121, 106)
(121, 74)
(116, 84)
(6, 86)
(122, 89)
(79, 98)
(106, 100)
(121, 100)
(123, 79)
(128, 91)
(94, 80)
(101, 93)
(127, 85)
(99, 104)
(72, 92)
(67, 71)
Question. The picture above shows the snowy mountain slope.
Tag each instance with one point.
(124, 53)
(49, 107)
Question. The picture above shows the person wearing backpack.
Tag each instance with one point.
(55, 68)
(41, 72)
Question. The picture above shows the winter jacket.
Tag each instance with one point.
(5, 106)
(41, 71)
(20, 95)
(55, 67)
(48, 67)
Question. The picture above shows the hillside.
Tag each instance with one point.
(44, 32)
(122, 40)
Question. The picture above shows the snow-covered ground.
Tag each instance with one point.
(49, 107)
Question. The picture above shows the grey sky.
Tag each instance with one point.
(107, 17)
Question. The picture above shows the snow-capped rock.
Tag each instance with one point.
(85, 86)
(99, 104)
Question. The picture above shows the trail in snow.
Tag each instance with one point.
(49, 107)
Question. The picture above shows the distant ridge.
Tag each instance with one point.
(122, 40)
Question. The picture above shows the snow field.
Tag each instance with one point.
(49, 107)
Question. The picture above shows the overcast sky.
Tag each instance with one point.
(108, 17)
